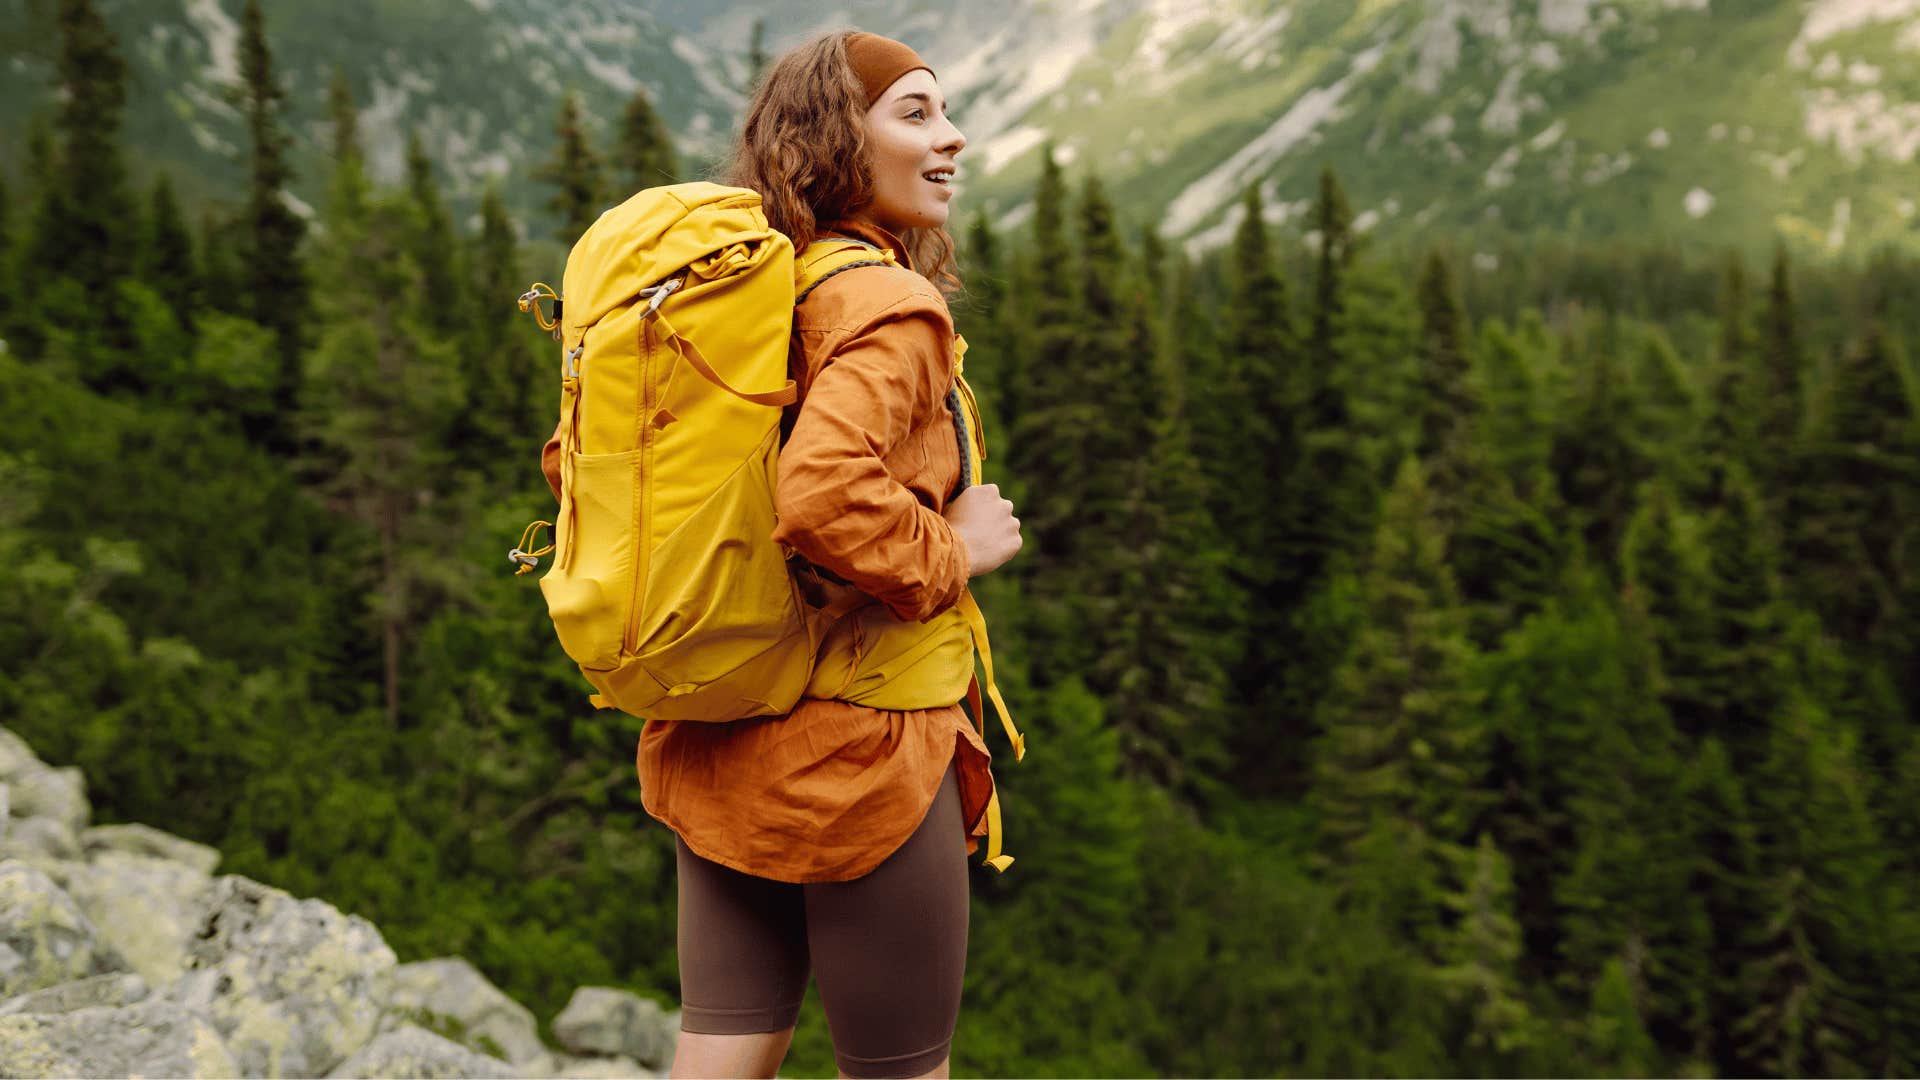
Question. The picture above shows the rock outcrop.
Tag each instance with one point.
(123, 954)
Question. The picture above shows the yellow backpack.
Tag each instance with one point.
(666, 586)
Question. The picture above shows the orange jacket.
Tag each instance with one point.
(828, 791)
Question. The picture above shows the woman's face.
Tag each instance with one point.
(909, 137)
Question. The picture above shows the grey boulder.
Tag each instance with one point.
(414, 1053)
(150, 1038)
(603, 1020)
(294, 986)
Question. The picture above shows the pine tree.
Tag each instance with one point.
(1819, 858)
(1329, 496)
(383, 386)
(575, 172)
(1447, 402)
(1161, 661)
(1331, 493)
(1666, 596)
(1778, 401)
(1051, 300)
(89, 203)
(1735, 383)
(1245, 421)
(1087, 828)
(222, 271)
(1045, 441)
(6, 253)
(1081, 428)
(1477, 966)
(1617, 1043)
(757, 58)
(986, 318)
(1722, 870)
(275, 279)
(1857, 475)
(501, 373)
(1598, 457)
(166, 255)
(1400, 741)
(436, 247)
(1743, 680)
(349, 182)
(1250, 393)
(645, 152)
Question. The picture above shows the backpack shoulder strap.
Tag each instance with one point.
(828, 256)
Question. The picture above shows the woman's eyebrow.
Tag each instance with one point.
(917, 95)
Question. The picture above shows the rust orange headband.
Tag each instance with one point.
(878, 61)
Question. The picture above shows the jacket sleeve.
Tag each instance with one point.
(837, 503)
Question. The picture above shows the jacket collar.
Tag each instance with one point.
(872, 234)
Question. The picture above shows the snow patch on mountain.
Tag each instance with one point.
(703, 67)
(1500, 173)
(1563, 17)
(223, 39)
(1272, 212)
(1039, 63)
(1254, 43)
(1858, 123)
(1312, 109)
(1842, 217)
(1436, 42)
(1548, 137)
(1780, 166)
(1504, 112)
(994, 153)
(1826, 18)
(1605, 167)
(1168, 21)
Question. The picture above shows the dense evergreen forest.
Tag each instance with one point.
(1432, 664)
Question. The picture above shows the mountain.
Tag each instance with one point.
(479, 80)
(1717, 121)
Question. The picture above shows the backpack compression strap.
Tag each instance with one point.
(690, 352)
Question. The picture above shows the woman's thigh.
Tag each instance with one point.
(743, 949)
(889, 949)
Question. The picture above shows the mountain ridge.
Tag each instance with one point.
(1705, 120)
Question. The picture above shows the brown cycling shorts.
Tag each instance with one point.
(889, 949)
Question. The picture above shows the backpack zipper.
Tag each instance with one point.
(642, 520)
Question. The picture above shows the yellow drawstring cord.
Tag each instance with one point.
(528, 560)
(530, 302)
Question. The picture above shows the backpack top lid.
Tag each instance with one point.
(711, 230)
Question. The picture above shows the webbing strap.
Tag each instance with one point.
(690, 352)
(977, 624)
(825, 258)
(569, 445)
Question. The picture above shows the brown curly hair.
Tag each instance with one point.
(804, 149)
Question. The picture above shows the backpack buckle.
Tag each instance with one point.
(657, 293)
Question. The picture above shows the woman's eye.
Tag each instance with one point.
(918, 113)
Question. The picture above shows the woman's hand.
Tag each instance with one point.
(986, 525)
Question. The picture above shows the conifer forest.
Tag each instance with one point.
(1431, 665)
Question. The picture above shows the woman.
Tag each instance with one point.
(835, 837)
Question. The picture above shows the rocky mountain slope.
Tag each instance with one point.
(122, 954)
(1708, 120)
